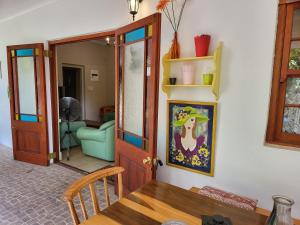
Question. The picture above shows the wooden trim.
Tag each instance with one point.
(292, 105)
(54, 102)
(287, 1)
(123, 83)
(83, 37)
(275, 113)
(37, 110)
(16, 85)
(53, 79)
(145, 83)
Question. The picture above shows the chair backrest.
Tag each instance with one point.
(76, 188)
(107, 125)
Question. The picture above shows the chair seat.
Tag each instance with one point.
(100, 219)
(229, 198)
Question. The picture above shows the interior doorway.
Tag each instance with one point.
(84, 69)
(137, 58)
(73, 84)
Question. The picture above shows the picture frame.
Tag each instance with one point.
(191, 125)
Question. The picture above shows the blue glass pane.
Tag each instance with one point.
(135, 35)
(24, 52)
(131, 139)
(28, 118)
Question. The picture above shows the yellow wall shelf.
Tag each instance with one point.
(216, 59)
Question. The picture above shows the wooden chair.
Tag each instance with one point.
(76, 188)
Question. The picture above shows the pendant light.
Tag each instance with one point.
(134, 7)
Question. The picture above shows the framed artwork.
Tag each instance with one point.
(191, 132)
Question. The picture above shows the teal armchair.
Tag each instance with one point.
(99, 143)
(74, 126)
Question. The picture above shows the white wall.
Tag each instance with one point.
(91, 56)
(243, 163)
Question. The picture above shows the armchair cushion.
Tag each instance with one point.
(107, 125)
(89, 133)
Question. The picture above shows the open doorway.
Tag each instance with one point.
(72, 84)
(136, 61)
(86, 98)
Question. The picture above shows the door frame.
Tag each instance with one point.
(53, 79)
(82, 84)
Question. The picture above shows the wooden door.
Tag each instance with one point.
(27, 91)
(137, 79)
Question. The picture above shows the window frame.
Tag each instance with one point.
(281, 73)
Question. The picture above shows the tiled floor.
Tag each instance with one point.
(32, 195)
(82, 161)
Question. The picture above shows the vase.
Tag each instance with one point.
(172, 80)
(281, 213)
(207, 78)
(188, 76)
(202, 45)
(175, 48)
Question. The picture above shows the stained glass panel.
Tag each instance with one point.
(135, 35)
(120, 123)
(24, 52)
(136, 141)
(28, 118)
(291, 120)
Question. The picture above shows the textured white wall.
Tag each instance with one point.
(243, 163)
(92, 56)
(59, 19)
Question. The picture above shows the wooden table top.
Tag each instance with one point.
(158, 202)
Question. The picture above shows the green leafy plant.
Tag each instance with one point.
(294, 62)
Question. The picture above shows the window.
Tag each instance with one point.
(284, 114)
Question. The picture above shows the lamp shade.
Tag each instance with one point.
(133, 7)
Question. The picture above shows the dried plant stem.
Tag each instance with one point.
(167, 13)
(180, 16)
(173, 11)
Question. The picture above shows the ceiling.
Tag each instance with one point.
(12, 8)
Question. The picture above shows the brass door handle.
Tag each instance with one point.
(147, 160)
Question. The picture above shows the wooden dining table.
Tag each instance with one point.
(157, 202)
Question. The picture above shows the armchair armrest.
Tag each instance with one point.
(93, 134)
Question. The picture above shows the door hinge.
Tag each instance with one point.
(48, 53)
(52, 155)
